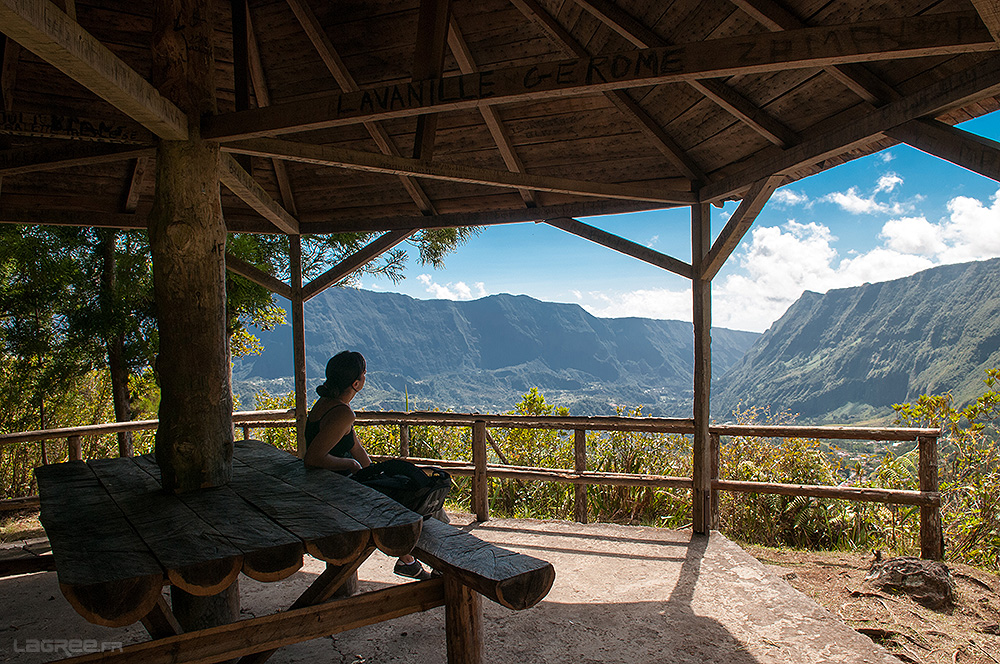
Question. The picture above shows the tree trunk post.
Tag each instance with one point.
(480, 482)
(931, 534)
(701, 495)
(463, 622)
(75, 448)
(187, 236)
(716, 451)
(580, 465)
(404, 440)
(298, 342)
(115, 342)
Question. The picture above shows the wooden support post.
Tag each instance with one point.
(701, 495)
(187, 237)
(931, 534)
(246, 432)
(404, 440)
(580, 465)
(716, 451)
(74, 445)
(463, 622)
(160, 621)
(480, 483)
(194, 612)
(298, 341)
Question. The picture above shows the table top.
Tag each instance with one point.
(117, 537)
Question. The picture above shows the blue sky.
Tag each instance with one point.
(881, 217)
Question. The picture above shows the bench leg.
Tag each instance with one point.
(463, 622)
(160, 621)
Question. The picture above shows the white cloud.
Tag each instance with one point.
(653, 241)
(913, 235)
(972, 230)
(788, 197)
(658, 303)
(888, 182)
(853, 202)
(457, 290)
(886, 157)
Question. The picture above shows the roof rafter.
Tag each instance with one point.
(324, 155)
(935, 34)
(629, 107)
(856, 77)
(976, 153)
(52, 157)
(622, 245)
(467, 65)
(243, 185)
(258, 276)
(989, 11)
(718, 91)
(40, 27)
(428, 62)
(738, 225)
(980, 80)
(328, 54)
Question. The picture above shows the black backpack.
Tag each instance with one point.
(422, 490)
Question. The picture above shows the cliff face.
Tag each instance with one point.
(484, 354)
(852, 353)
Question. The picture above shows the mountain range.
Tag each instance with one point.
(850, 354)
(483, 355)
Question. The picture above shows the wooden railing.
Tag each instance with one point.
(927, 497)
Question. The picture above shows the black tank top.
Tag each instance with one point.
(343, 447)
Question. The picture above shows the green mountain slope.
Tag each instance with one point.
(850, 354)
(484, 354)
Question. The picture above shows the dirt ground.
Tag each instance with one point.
(968, 633)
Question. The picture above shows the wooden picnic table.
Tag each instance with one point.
(118, 538)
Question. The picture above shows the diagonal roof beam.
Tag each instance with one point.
(355, 261)
(980, 80)
(328, 54)
(428, 62)
(371, 162)
(856, 77)
(976, 153)
(51, 157)
(718, 91)
(989, 11)
(934, 34)
(40, 27)
(628, 106)
(466, 64)
(261, 91)
(140, 173)
(243, 185)
(258, 276)
(622, 245)
(738, 225)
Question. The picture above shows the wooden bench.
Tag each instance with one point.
(26, 556)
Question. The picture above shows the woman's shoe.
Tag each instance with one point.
(412, 570)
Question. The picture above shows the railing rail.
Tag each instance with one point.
(927, 497)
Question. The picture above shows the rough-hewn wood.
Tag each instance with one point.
(480, 483)
(622, 245)
(298, 342)
(375, 163)
(59, 40)
(258, 276)
(976, 153)
(160, 621)
(196, 556)
(931, 533)
(95, 548)
(241, 183)
(355, 261)
(888, 496)
(26, 557)
(393, 531)
(463, 622)
(738, 225)
(280, 629)
(580, 510)
(511, 579)
(936, 34)
(48, 157)
(701, 289)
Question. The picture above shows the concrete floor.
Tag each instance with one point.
(622, 594)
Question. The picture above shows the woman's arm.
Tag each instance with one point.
(336, 423)
(359, 452)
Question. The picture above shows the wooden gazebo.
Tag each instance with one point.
(391, 116)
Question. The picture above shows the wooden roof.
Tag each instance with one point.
(522, 110)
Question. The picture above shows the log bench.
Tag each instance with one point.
(117, 539)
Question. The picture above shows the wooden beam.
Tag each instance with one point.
(52, 157)
(324, 155)
(11, 55)
(258, 276)
(738, 225)
(48, 125)
(701, 289)
(480, 218)
(40, 27)
(976, 153)
(855, 77)
(989, 11)
(628, 107)
(467, 65)
(979, 81)
(622, 245)
(718, 91)
(428, 62)
(140, 173)
(934, 34)
(243, 185)
(353, 262)
(263, 94)
(328, 54)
